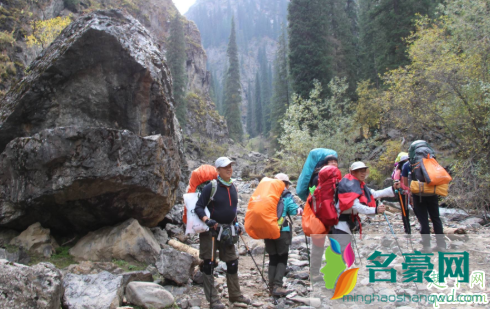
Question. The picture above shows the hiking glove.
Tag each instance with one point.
(211, 223)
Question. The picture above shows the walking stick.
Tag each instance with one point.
(307, 249)
(212, 274)
(267, 284)
(263, 260)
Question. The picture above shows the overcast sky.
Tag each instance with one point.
(183, 5)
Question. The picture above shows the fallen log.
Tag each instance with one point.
(185, 248)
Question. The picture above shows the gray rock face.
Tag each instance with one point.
(128, 241)
(102, 71)
(99, 291)
(175, 265)
(36, 239)
(161, 236)
(22, 287)
(148, 295)
(85, 178)
(16, 256)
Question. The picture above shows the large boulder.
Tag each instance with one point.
(37, 240)
(100, 291)
(103, 70)
(127, 241)
(61, 165)
(175, 265)
(82, 179)
(39, 286)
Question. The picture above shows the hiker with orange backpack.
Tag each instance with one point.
(278, 249)
(223, 230)
(417, 172)
(354, 198)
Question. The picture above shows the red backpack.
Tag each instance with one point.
(323, 199)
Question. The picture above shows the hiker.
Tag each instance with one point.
(397, 173)
(425, 206)
(323, 207)
(223, 210)
(354, 198)
(278, 249)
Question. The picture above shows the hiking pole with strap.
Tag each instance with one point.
(267, 284)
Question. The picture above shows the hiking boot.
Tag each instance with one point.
(439, 249)
(280, 291)
(217, 304)
(240, 299)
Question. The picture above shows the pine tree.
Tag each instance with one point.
(232, 95)
(250, 123)
(341, 14)
(383, 26)
(259, 117)
(282, 92)
(176, 57)
(265, 89)
(309, 54)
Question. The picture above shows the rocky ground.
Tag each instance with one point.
(133, 266)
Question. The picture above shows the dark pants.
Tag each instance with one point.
(278, 250)
(425, 207)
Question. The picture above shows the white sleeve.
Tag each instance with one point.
(386, 192)
(363, 209)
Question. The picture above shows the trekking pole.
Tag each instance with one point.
(267, 284)
(212, 273)
(357, 249)
(263, 260)
(393, 232)
(307, 249)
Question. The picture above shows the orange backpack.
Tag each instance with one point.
(434, 174)
(311, 224)
(200, 175)
(261, 217)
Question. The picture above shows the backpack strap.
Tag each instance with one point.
(214, 188)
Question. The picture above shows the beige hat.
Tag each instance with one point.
(357, 165)
(283, 177)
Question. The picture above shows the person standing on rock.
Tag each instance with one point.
(423, 207)
(223, 210)
(278, 249)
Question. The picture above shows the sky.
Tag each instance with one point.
(183, 5)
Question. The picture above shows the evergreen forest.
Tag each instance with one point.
(356, 75)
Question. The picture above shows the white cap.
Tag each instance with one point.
(403, 158)
(222, 162)
(357, 165)
(283, 177)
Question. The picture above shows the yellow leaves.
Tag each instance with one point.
(45, 31)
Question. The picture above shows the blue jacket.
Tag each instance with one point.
(290, 208)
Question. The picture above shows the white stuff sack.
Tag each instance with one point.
(194, 224)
